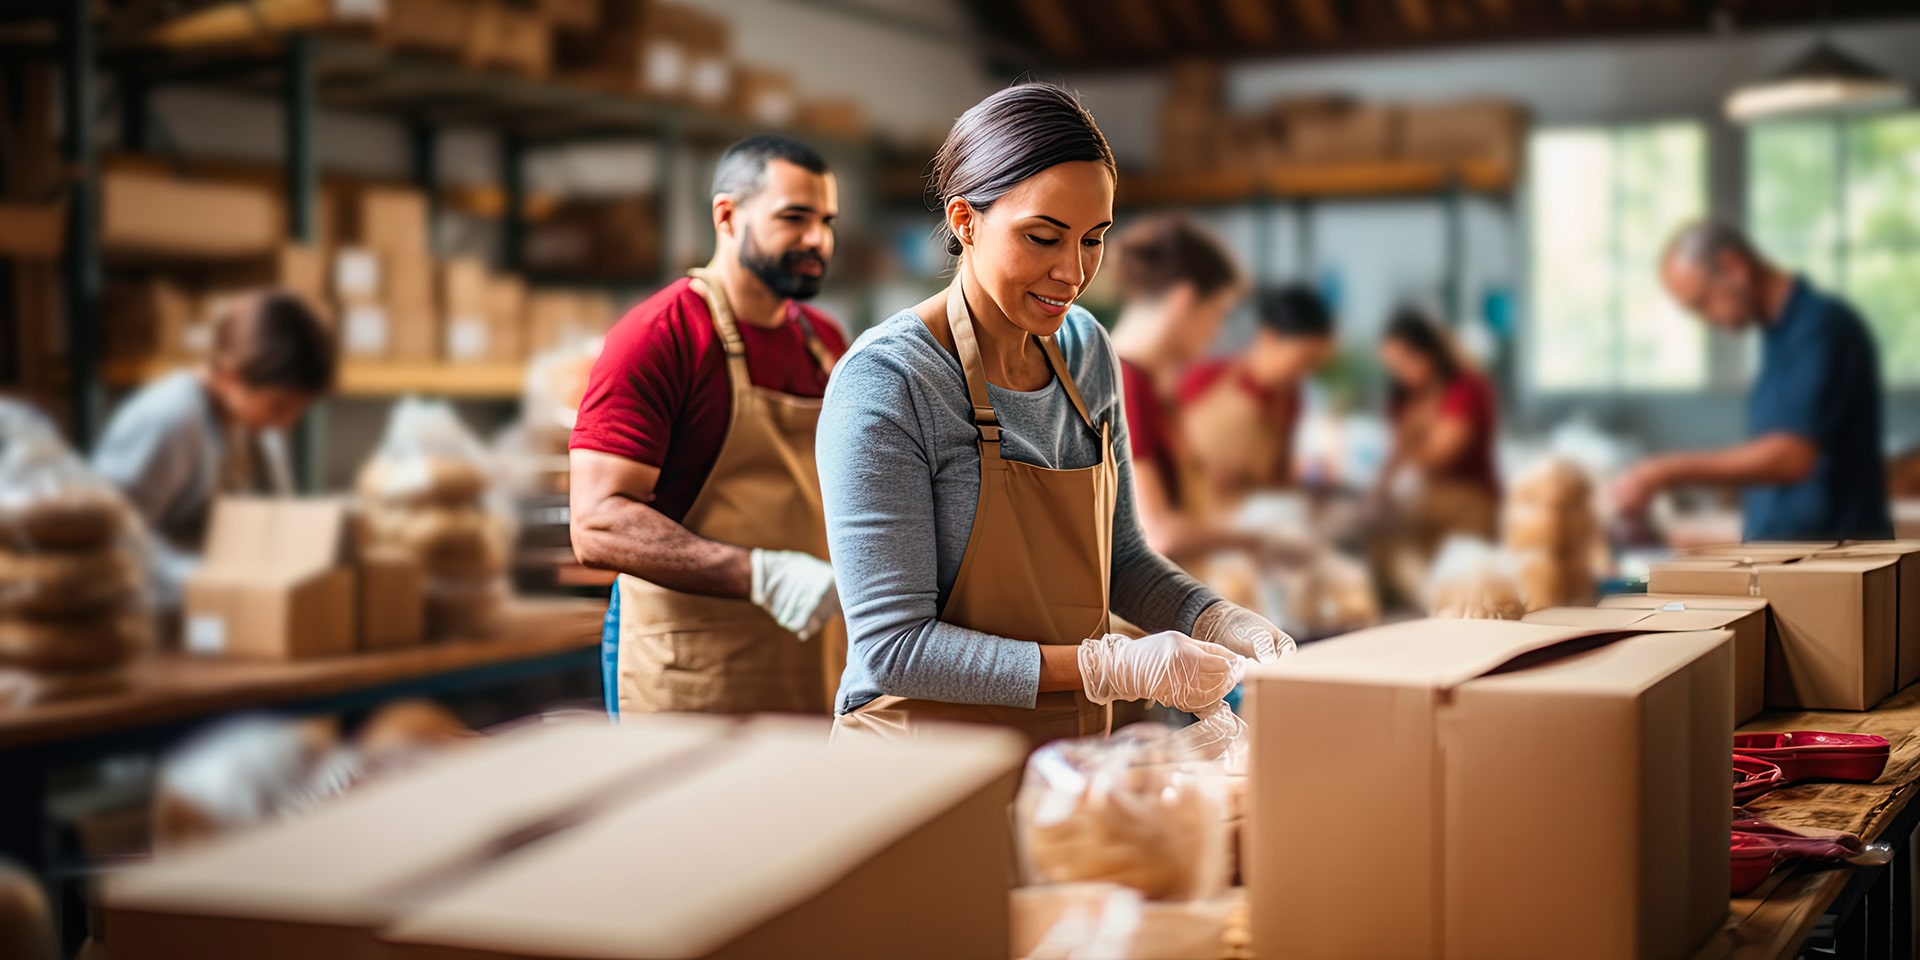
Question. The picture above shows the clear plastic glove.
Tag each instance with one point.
(1169, 667)
(1219, 734)
(796, 589)
(1243, 632)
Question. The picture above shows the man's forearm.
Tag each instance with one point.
(635, 539)
(1765, 460)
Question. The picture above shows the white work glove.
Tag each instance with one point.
(1244, 632)
(796, 589)
(1169, 667)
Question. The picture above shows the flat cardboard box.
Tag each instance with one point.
(429, 26)
(1462, 129)
(1835, 640)
(273, 586)
(1747, 617)
(1363, 131)
(391, 220)
(144, 213)
(318, 886)
(1907, 602)
(762, 853)
(668, 836)
(1506, 789)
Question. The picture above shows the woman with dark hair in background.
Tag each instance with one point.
(190, 436)
(973, 467)
(1444, 417)
(1178, 283)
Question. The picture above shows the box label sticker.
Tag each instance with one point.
(206, 633)
(467, 338)
(196, 339)
(666, 68)
(712, 79)
(366, 331)
(356, 273)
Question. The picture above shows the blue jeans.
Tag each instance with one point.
(610, 653)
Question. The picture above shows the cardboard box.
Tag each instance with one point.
(836, 116)
(1746, 617)
(297, 268)
(320, 885)
(765, 96)
(440, 27)
(1907, 600)
(575, 16)
(1462, 130)
(392, 599)
(507, 318)
(153, 214)
(463, 284)
(273, 586)
(391, 220)
(1363, 131)
(468, 325)
(1835, 639)
(770, 854)
(154, 317)
(413, 312)
(1506, 789)
(509, 38)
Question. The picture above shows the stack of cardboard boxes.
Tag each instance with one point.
(1846, 617)
(383, 275)
(672, 51)
(668, 837)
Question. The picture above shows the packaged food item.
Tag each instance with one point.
(1553, 527)
(1135, 809)
(74, 605)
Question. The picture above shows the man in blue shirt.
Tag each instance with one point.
(1812, 467)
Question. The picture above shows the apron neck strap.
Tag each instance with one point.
(960, 324)
(729, 328)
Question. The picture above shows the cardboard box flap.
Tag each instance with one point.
(1680, 601)
(622, 887)
(1760, 550)
(1674, 617)
(1590, 617)
(349, 863)
(1873, 548)
(1618, 668)
(262, 536)
(1827, 564)
(1438, 653)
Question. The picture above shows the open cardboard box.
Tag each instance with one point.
(1504, 789)
(1659, 613)
(665, 837)
(1835, 640)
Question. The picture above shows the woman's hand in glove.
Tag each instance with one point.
(1244, 632)
(1169, 667)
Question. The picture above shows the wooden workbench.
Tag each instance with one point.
(1776, 919)
(170, 687)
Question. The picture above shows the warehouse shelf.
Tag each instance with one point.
(1376, 178)
(371, 378)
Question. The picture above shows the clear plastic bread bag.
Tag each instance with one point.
(1474, 580)
(1137, 808)
(75, 561)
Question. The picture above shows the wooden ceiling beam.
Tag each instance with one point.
(1253, 23)
(1138, 23)
(1416, 16)
(1498, 11)
(1192, 21)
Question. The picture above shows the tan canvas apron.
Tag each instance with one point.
(1036, 566)
(683, 652)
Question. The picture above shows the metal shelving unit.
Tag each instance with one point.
(311, 72)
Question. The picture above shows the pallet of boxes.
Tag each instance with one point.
(427, 492)
(74, 606)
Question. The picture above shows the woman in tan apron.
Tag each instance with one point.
(682, 652)
(1044, 546)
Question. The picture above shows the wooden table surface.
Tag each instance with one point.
(1776, 919)
(167, 687)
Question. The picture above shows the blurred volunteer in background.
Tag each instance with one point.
(978, 491)
(182, 440)
(1239, 413)
(1445, 418)
(1812, 467)
(693, 459)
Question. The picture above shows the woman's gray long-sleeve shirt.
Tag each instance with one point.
(900, 478)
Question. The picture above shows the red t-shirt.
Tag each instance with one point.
(659, 393)
(1149, 435)
(1470, 397)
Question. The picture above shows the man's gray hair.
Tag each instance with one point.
(1701, 242)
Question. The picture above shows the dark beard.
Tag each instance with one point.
(779, 273)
